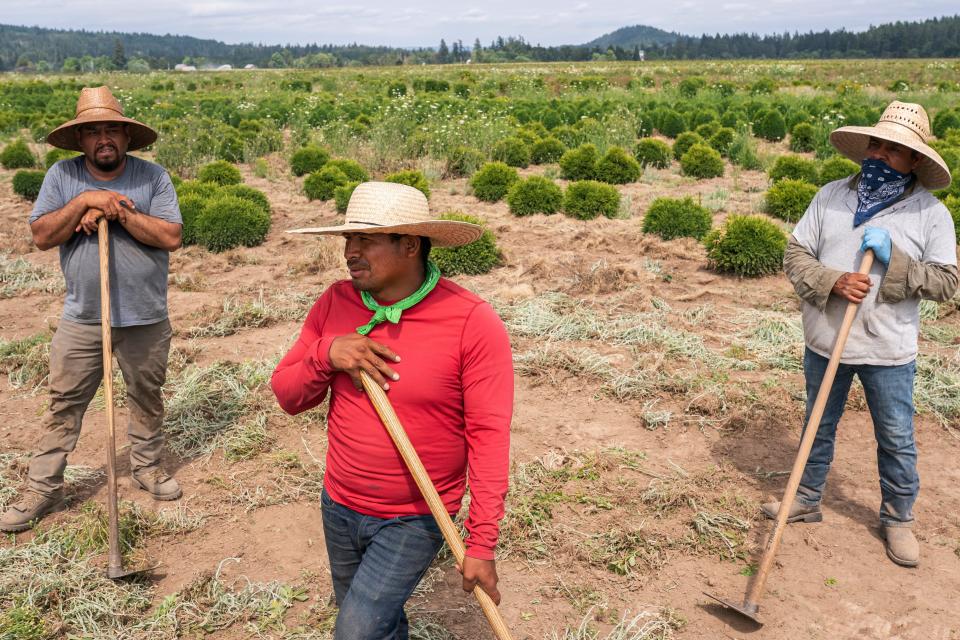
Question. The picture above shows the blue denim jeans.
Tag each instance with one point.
(889, 393)
(376, 564)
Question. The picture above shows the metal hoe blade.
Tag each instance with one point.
(747, 610)
(118, 572)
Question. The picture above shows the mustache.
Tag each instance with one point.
(106, 145)
(357, 264)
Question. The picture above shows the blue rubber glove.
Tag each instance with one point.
(878, 240)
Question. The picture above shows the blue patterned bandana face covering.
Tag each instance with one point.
(880, 186)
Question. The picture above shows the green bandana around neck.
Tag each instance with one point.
(392, 312)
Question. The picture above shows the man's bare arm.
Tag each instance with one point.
(55, 228)
(151, 230)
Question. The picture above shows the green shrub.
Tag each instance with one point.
(17, 155)
(770, 125)
(191, 208)
(195, 187)
(951, 156)
(803, 137)
(228, 222)
(734, 118)
(536, 194)
(54, 156)
(722, 140)
(547, 150)
(652, 152)
(320, 185)
(684, 141)
(836, 168)
(27, 183)
(415, 179)
(219, 172)
(350, 168)
(702, 161)
(794, 168)
(688, 87)
(749, 246)
(788, 199)
(672, 218)
(588, 199)
(492, 181)
(707, 129)
(480, 256)
(743, 151)
(671, 123)
(513, 152)
(618, 167)
(953, 206)
(463, 161)
(342, 194)
(397, 88)
(246, 192)
(307, 160)
(944, 121)
(579, 163)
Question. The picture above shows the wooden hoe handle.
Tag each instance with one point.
(389, 418)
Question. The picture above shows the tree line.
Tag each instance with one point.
(47, 50)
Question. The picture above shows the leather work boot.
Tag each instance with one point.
(158, 483)
(31, 507)
(902, 546)
(799, 512)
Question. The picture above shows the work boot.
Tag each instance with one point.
(902, 546)
(799, 512)
(31, 507)
(157, 483)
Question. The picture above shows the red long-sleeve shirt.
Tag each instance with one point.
(454, 399)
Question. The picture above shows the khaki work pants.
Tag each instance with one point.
(76, 370)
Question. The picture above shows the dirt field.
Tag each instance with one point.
(639, 464)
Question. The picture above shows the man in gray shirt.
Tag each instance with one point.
(886, 208)
(139, 202)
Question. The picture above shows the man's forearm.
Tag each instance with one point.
(909, 278)
(54, 228)
(810, 279)
(152, 231)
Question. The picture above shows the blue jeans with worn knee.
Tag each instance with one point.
(889, 393)
(376, 564)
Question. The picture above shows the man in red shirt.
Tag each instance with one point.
(443, 355)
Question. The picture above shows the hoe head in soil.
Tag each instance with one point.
(748, 610)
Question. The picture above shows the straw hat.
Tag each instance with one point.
(385, 207)
(97, 104)
(906, 124)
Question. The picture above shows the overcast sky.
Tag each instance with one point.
(424, 22)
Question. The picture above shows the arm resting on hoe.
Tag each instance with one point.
(55, 228)
(812, 281)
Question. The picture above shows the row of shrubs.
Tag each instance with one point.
(17, 155)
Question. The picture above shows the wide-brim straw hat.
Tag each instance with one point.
(386, 207)
(906, 124)
(97, 104)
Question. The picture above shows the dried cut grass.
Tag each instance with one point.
(647, 625)
(237, 314)
(26, 361)
(18, 276)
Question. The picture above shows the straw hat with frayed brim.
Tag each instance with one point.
(905, 124)
(97, 104)
(386, 207)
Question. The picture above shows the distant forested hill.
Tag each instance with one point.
(638, 35)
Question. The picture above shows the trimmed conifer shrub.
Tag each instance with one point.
(672, 218)
(836, 168)
(794, 168)
(350, 168)
(547, 150)
(55, 155)
(341, 196)
(195, 187)
(945, 120)
(788, 199)
(651, 152)
(463, 161)
(17, 155)
(618, 167)
(770, 125)
(803, 137)
(722, 140)
(671, 124)
(191, 208)
(684, 141)
(513, 152)
(320, 185)
(702, 161)
(248, 193)
(415, 179)
(228, 222)
(492, 181)
(707, 129)
(27, 183)
(536, 194)
(307, 160)
(579, 163)
(219, 172)
(588, 199)
(749, 246)
(480, 256)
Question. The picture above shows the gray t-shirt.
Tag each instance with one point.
(882, 333)
(138, 273)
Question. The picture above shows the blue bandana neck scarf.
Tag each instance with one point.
(879, 187)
